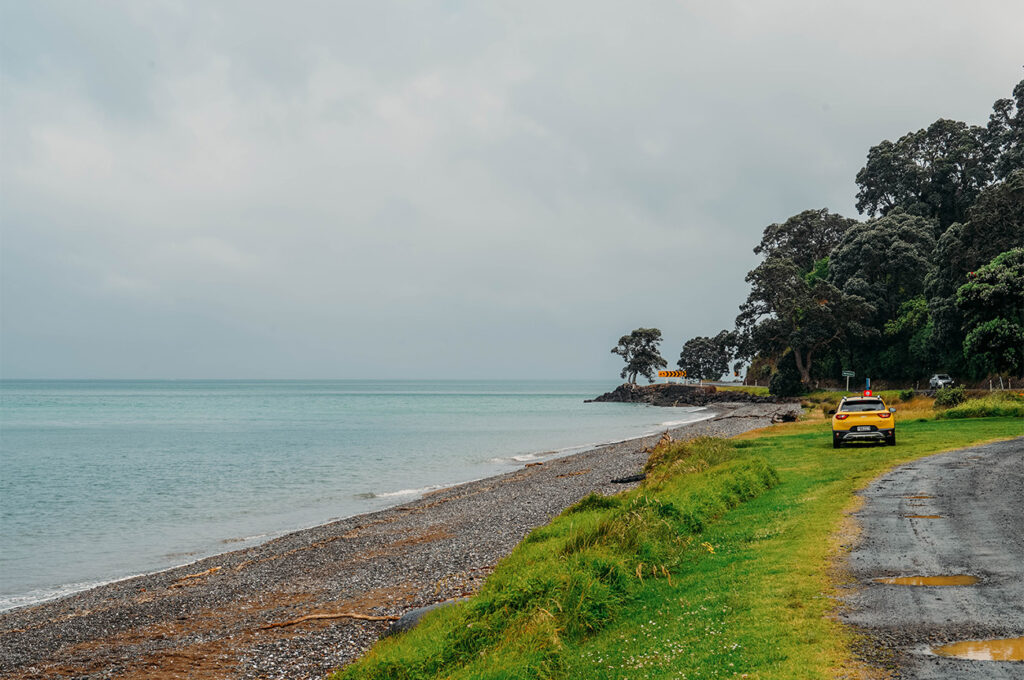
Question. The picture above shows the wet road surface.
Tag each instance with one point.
(952, 514)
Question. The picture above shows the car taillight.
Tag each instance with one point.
(841, 416)
(884, 415)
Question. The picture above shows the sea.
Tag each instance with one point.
(101, 480)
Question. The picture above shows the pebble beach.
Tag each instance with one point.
(272, 611)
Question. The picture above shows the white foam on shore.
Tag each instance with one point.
(401, 492)
(43, 594)
(680, 423)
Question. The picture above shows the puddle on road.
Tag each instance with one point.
(919, 496)
(954, 580)
(1006, 649)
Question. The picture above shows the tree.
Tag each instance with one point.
(1006, 133)
(936, 172)
(640, 351)
(805, 238)
(993, 303)
(800, 312)
(706, 358)
(792, 307)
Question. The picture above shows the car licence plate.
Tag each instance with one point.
(864, 428)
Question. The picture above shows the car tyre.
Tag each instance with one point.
(837, 443)
(891, 441)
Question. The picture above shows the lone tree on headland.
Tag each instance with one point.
(640, 350)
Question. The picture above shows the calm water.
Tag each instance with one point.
(105, 479)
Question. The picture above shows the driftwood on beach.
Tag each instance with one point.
(303, 604)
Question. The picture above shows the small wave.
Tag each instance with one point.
(522, 458)
(243, 539)
(401, 492)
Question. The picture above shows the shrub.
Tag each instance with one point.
(949, 396)
(986, 407)
(906, 395)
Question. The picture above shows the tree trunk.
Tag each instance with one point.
(804, 366)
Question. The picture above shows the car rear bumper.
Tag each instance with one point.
(875, 435)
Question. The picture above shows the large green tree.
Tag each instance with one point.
(792, 308)
(936, 172)
(640, 351)
(796, 311)
(993, 304)
(706, 358)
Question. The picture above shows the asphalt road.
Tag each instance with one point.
(978, 493)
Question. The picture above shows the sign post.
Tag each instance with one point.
(848, 375)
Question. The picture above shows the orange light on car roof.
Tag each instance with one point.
(867, 393)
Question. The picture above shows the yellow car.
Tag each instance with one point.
(862, 419)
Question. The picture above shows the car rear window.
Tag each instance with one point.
(862, 405)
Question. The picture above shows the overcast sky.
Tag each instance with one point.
(435, 189)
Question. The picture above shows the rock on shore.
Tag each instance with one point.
(674, 394)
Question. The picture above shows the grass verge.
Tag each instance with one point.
(718, 566)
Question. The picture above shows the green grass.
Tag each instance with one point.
(749, 389)
(717, 566)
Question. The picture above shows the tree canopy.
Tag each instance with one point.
(936, 172)
(932, 280)
(706, 358)
(805, 238)
(887, 296)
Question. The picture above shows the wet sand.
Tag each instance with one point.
(218, 618)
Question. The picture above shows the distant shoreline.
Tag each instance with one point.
(210, 614)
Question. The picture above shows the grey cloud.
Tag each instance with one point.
(433, 189)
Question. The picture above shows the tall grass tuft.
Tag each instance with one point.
(686, 457)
